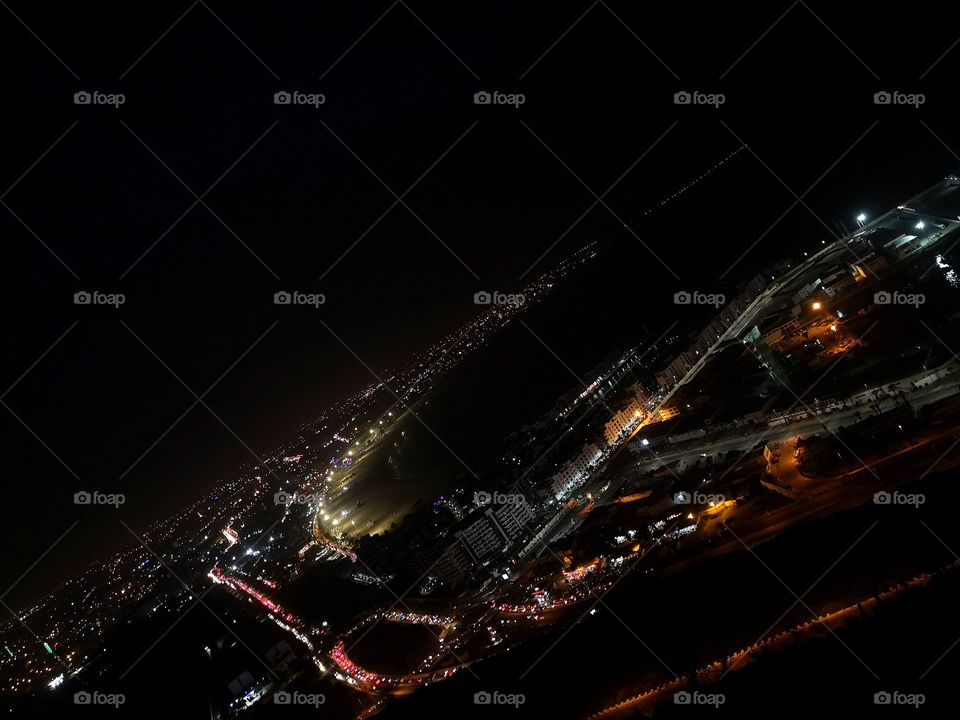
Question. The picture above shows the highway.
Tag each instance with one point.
(870, 403)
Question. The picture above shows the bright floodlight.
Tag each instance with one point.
(816, 306)
(861, 218)
(920, 225)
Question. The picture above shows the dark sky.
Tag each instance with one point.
(291, 194)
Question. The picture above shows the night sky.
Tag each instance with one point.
(297, 198)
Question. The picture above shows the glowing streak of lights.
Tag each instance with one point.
(219, 576)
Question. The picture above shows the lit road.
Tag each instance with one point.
(827, 421)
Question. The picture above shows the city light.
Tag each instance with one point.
(592, 495)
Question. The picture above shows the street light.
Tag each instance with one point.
(920, 225)
(861, 218)
(817, 305)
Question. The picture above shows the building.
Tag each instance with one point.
(774, 328)
(664, 380)
(679, 367)
(753, 288)
(838, 282)
(638, 393)
(574, 472)
(806, 291)
(710, 336)
(904, 245)
(896, 244)
(667, 413)
(622, 420)
(454, 564)
(871, 265)
(483, 536)
(627, 416)
(513, 518)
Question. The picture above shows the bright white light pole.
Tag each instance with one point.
(861, 219)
